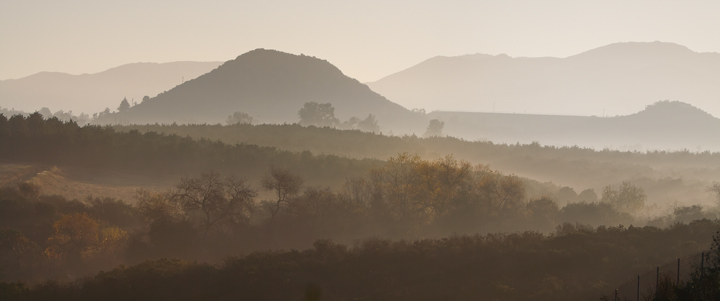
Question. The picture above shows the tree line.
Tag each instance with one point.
(573, 166)
(33, 139)
(359, 144)
(578, 263)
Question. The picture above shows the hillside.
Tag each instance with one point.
(91, 93)
(666, 176)
(100, 156)
(575, 264)
(271, 86)
(616, 79)
(664, 125)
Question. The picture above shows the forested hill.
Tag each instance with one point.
(666, 176)
(51, 142)
(271, 86)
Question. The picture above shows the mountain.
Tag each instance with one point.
(92, 93)
(271, 86)
(664, 125)
(616, 79)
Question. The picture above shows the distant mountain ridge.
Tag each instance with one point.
(91, 93)
(617, 79)
(271, 86)
(664, 125)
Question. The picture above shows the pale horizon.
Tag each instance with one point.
(367, 42)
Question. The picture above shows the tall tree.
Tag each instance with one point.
(434, 128)
(285, 184)
(124, 105)
(214, 200)
(715, 189)
(313, 113)
(369, 124)
(239, 117)
(79, 237)
(626, 198)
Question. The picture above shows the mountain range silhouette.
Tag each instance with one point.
(91, 93)
(617, 79)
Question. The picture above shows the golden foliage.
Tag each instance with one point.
(412, 188)
(79, 237)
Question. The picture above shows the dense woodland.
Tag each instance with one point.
(667, 177)
(577, 263)
(407, 228)
(359, 144)
(53, 142)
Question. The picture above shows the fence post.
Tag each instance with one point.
(616, 295)
(657, 282)
(678, 274)
(638, 289)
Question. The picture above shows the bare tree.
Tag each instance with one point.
(506, 192)
(626, 198)
(285, 184)
(715, 189)
(215, 199)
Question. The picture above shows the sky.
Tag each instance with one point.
(367, 40)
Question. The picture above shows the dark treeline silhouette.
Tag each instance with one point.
(323, 115)
(577, 263)
(33, 139)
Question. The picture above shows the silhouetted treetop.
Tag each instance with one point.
(318, 114)
(124, 105)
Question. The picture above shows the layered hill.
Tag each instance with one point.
(616, 79)
(91, 93)
(271, 86)
(664, 125)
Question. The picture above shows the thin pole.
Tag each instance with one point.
(638, 289)
(657, 282)
(702, 269)
(616, 295)
(678, 273)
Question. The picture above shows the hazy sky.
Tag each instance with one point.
(365, 39)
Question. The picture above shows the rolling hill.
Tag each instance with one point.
(91, 93)
(664, 125)
(617, 79)
(271, 86)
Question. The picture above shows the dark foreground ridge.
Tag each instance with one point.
(575, 264)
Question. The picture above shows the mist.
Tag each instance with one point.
(346, 151)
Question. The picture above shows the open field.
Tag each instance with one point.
(79, 183)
